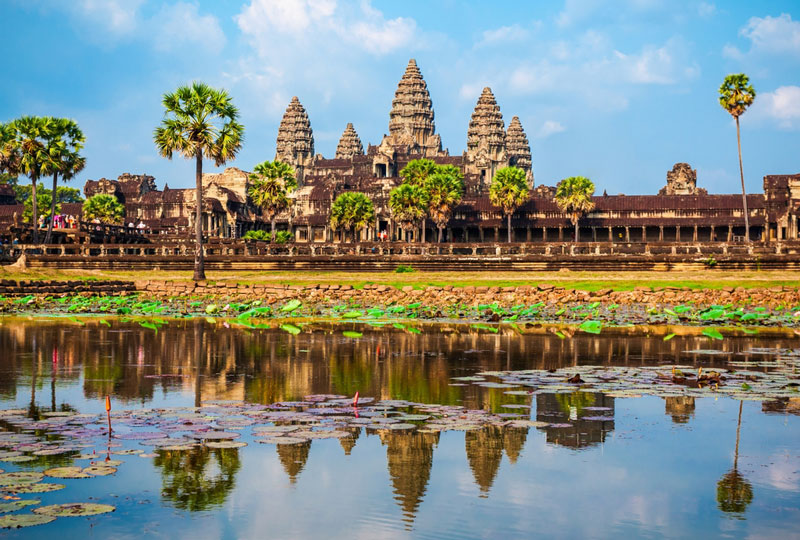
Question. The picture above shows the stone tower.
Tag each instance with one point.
(295, 139)
(349, 145)
(518, 149)
(486, 139)
(411, 118)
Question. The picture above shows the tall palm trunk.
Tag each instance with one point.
(439, 240)
(34, 212)
(52, 210)
(199, 262)
(272, 229)
(509, 227)
(199, 330)
(424, 220)
(575, 225)
(738, 429)
(744, 194)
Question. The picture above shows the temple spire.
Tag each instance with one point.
(518, 148)
(295, 144)
(486, 139)
(349, 144)
(411, 118)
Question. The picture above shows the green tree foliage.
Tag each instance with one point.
(352, 211)
(199, 121)
(574, 196)
(407, 204)
(10, 154)
(509, 190)
(736, 94)
(66, 142)
(417, 171)
(443, 192)
(272, 183)
(30, 142)
(105, 208)
(63, 194)
(44, 201)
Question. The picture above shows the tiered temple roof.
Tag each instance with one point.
(411, 118)
(518, 148)
(349, 144)
(295, 143)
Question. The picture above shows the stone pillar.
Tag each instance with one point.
(677, 233)
(660, 233)
(544, 234)
(480, 232)
(694, 235)
(496, 234)
(527, 234)
(610, 234)
(730, 233)
(644, 234)
(594, 234)
(711, 238)
(561, 234)
(627, 234)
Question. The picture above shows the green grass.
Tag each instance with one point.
(587, 281)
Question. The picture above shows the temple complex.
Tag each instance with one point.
(681, 211)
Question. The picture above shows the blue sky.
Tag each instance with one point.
(615, 90)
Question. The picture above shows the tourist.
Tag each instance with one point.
(130, 224)
(141, 226)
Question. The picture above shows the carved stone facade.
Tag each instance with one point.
(486, 140)
(349, 144)
(681, 211)
(295, 144)
(682, 180)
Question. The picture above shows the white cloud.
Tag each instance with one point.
(308, 22)
(777, 35)
(504, 34)
(657, 65)
(181, 24)
(116, 16)
(706, 9)
(550, 127)
(781, 106)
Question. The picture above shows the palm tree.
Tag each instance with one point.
(415, 173)
(44, 199)
(31, 138)
(199, 121)
(407, 203)
(442, 193)
(66, 140)
(352, 211)
(574, 196)
(736, 94)
(9, 151)
(105, 208)
(509, 190)
(272, 182)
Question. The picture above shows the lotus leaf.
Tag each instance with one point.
(74, 509)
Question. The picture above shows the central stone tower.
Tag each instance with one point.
(486, 140)
(411, 118)
(295, 139)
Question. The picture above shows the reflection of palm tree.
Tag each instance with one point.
(192, 481)
(734, 492)
(199, 330)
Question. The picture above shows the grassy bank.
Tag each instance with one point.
(586, 281)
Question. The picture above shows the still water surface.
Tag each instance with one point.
(659, 467)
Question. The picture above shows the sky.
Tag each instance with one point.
(617, 90)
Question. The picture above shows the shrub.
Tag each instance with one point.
(403, 269)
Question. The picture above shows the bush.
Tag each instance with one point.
(403, 269)
(281, 237)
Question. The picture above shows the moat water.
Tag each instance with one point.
(583, 464)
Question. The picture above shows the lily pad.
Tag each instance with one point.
(18, 521)
(32, 488)
(17, 505)
(99, 470)
(74, 509)
(350, 334)
(292, 329)
(66, 472)
(225, 444)
(282, 440)
(20, 477)
(291, 305)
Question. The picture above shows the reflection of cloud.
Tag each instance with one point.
(782, 472)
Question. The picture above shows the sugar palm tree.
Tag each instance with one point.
(9, 151)
(415, 173)
(66, 141)
(509, 190)
(272, 182)
(574, 196)
(199, 121)
(407, 204)
(442, 193)
(31, 138)
(736, 94)
(352, 211)
(105, 208)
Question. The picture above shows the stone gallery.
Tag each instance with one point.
(681, 212)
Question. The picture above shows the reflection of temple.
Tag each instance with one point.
(782, 405)
(681, 408)
(570, 409)
(410, 457)
(293, 457)
(348, 443)
(198, 479)
(485, 451)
